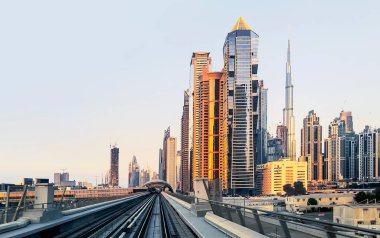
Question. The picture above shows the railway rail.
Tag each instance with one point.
(149, 215)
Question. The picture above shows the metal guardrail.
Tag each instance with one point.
(253, 218)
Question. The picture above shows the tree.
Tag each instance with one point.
(361, 196)
(377, 193)
(312, 201)
(299, 188)
(289, 190)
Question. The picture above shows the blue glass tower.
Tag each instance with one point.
(240, 67)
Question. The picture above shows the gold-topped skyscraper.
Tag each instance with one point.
(240, 69)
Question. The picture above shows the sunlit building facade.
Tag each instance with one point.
(240, 67)
(199, 60)
(213, 145)
(171, 161)
(276, 174)
(347, 118)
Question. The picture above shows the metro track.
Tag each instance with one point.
(150, 215)
(158, 220)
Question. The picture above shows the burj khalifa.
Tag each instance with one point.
(288, 119)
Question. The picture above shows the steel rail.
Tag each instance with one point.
(130, 221)
(88, 228)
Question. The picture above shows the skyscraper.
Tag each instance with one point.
(213, 136)
(178, 170)
(199, 60)
(288, 110)
(171, 161)
(185, 152)
(262, 134)
(311, 146)
(114, 170)
(347, 118)
(335, 150)
(369, 154)
(130, 175)
(160, 163)
(163, 156)
(341, 149)
(282, 134)
(240, 67)
(134, 173)
(275, 149)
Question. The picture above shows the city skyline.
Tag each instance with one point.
(89, 130)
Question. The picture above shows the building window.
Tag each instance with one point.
(365, 212)
(373, 222)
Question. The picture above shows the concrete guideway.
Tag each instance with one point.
(142, 215)
(23, 226)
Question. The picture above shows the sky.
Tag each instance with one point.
(79, 76)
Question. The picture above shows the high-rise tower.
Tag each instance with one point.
(185, 164)
(240, 68)
(311, 146)
(369, 154)
(213, 146)
(114, 170)
(171, 161)
(288, 119)
(347, 118)
(199, 60)
(164, 156)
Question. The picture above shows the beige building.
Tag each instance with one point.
(300, 203)
(360, 215)
(275, 174)
(199, 60)
(171, 162)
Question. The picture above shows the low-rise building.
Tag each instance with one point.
(359, 215)
(300, 203)
(275, 174)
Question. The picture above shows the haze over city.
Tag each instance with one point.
(76, 80)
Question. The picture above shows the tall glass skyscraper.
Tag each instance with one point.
(240, 68)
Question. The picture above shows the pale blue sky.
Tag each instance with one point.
(78, 75)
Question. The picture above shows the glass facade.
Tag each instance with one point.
(240, 66)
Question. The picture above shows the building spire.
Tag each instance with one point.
(288, 110)
(240, 24)
(289, 51)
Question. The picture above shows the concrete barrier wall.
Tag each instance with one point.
(20, 223)
(230, 228)
(179, 201)
(298, 227)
